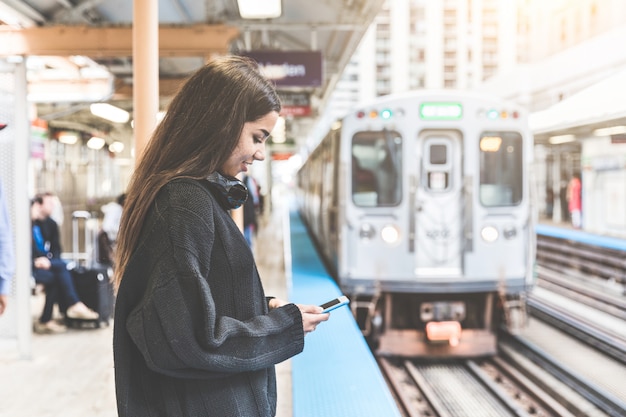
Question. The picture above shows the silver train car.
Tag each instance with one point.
(420, 206)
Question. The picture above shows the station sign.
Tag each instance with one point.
(619, 138)
(38, 139)
(290, 68)
(297, 104)
(281, 156)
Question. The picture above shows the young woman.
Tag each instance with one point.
(194, 332)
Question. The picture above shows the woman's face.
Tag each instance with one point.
(251, 145)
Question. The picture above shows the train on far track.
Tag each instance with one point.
(421, 206)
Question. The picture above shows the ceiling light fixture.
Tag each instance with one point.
(68, 138)
(109, 112)
(116, 147)
(557, 140)
(95, 143)
(608, 131)
(259, 9)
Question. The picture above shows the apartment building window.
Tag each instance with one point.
(490, 30)
(382, 71)
(382, 56)
(449, 16)
(417, 14)
(490, 44)
(489, 71)
(382, 44)
(450, 44)
(489, 56)
(383, 87)
(416, 79)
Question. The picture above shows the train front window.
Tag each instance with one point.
(501, 169)
(376, 168)
(438, 154)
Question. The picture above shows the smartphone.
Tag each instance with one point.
(333, 304)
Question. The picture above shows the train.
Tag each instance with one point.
(421, 206)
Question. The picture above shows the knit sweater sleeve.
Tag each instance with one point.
(184, 326)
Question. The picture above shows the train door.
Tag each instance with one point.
(438, 204)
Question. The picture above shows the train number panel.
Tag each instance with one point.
(420, 205)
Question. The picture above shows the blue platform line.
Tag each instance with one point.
(582, 237)
(336, 375)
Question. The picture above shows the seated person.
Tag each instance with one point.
(50, 270)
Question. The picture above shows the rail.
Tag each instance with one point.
(602, 262)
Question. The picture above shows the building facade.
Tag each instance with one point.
(417, 44)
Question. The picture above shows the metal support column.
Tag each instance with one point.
(23, 271)
(145, 71)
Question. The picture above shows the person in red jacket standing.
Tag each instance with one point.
(574, 191)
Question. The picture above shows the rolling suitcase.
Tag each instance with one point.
(91, 279)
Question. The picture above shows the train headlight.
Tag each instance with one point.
(367, 231)
(489, 234)
(390, 234)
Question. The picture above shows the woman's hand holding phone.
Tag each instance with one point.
(312, 315)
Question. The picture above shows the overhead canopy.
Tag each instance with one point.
(600, 105)
(333, 27)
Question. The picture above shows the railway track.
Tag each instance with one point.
(600, 316)
(602, 333)
(583, 269)
(520, 381)
(488, 387)
(569, 381)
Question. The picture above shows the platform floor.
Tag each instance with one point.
(71, 374)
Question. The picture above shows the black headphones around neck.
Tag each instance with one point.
(230, 191)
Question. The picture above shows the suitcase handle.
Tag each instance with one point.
(85, 258)
(81, 214)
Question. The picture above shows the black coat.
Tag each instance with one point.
(193, 335)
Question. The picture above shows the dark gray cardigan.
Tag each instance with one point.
(193, 335)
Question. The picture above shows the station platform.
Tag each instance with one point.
(581, 236)
(336, 374)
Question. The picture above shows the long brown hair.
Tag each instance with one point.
(197, 135)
